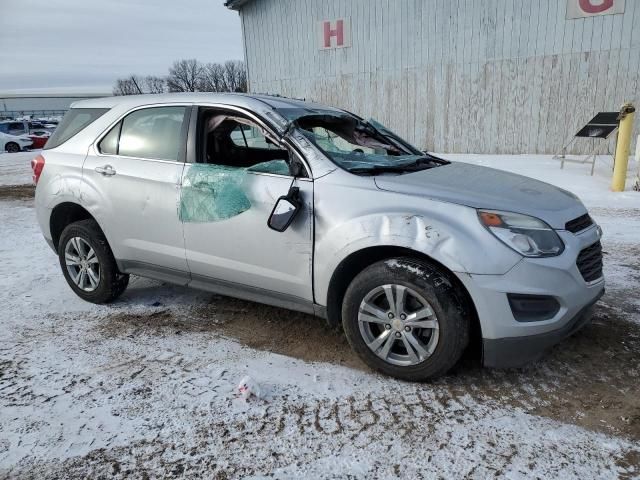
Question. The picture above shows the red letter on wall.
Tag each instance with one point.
(589, 7)
(337, 32)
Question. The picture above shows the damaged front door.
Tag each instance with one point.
(226, 201)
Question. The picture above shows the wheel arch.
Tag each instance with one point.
(64, 214)
(357, 261)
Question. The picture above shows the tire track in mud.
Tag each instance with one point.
(406, 435)
(580, 381)
(476, 415)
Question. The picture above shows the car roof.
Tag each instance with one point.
(251, 101)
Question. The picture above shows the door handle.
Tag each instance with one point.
(107, 170)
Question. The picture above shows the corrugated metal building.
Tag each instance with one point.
(483, 76)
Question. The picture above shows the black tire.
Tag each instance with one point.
(12, 147)
(111, 282)
(434, 286)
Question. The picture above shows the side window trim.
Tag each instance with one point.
(184, 132)
(99, 143)
(118, 139)
(186, 119)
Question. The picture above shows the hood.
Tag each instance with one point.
(484, 187)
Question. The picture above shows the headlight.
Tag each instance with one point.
(529, 236)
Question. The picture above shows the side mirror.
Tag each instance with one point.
(285, 210)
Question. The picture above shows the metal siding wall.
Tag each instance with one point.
(482, 76)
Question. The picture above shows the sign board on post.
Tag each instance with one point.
(334, 33)
(591, 8)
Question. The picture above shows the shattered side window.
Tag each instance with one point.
(232, 147)
(211, 193)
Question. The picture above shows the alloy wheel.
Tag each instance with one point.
(398, 325)
(82, 264)
(12, 147)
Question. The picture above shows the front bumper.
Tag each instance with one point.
(518, 351)
(508, 342)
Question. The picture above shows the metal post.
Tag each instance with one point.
(636, 186)
(623, 145)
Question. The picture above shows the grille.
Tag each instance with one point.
(579, 224)
(589, 262)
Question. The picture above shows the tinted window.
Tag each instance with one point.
(153, 133)
(17, 127)
(74, 120)
(109, 143)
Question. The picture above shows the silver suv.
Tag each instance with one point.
(312, 208)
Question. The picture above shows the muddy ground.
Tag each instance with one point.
(17, 192)
(585, 380)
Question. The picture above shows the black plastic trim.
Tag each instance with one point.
(532, 308)
(513, 352)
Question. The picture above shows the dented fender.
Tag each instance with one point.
(60, 182)
(350, 219)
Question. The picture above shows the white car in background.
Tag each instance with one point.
(14, 143)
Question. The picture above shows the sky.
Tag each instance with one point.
(83, 46)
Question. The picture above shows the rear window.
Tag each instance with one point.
(74, 120)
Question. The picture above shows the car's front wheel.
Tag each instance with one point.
(403, 317)
(88, 264)
(12, 147)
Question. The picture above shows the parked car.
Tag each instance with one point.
(14, 143)
(325, 213)
(39, 138)
(14, 127)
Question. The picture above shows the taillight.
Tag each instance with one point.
(37, 164)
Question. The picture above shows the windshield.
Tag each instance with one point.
(361, 147)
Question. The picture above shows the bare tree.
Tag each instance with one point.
(128, 86)
(228, 77)
(212, 78)
(188, 76)
(185, 76)
(235, 76)
(133, 85)
(155, 84)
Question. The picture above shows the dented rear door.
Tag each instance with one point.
(132, 184)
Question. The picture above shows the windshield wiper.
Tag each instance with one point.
(426, 161)
(378, 169)
(431, 158)
(417, 165)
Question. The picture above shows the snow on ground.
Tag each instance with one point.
(15, 168)
(145, 387)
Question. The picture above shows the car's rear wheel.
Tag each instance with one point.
(88, 264)
(403, 317)
(12, 147)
